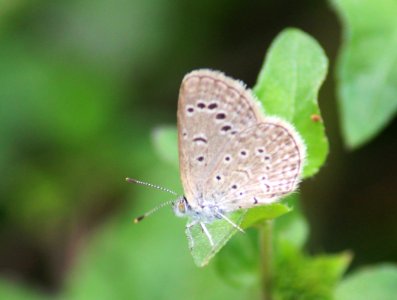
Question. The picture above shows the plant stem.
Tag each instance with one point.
(265, 248)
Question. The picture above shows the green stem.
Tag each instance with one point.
(265, 246)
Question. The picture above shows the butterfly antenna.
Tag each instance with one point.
(140, 218)
(157, 187)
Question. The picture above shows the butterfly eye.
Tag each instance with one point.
(181, 207)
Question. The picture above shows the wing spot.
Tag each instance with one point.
(190, 109)
(201, 105)
(212, 106)
(255, 201)
(227, 158)
(200, 139)
(220, 116)
(200, 158)
(234, 187)
(267, 187)
(226, 128)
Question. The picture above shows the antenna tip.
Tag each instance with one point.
(129, 179)
(137, 220)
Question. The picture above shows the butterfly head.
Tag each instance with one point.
(181, 207)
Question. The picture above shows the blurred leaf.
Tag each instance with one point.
(378, 282)
(40, 202)
(288, 85)
(110, 35)
(12, 291)
(292, 227)
(165, 140)
(238, 262)
(311, 278)
(367, 68)
(68, 103)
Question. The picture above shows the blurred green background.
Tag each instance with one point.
(83, 85)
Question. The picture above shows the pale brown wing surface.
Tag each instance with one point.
(259, 166)
(212, 110)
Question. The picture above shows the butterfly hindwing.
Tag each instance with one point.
(261, 164)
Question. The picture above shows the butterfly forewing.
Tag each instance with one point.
(212, 110)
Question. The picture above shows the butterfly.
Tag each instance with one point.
(231, 155)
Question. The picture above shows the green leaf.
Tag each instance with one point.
(265, 212)
(288, 85)
(311, 278)
(379, 282)
(367, 68)
(292, 227)
(221, 231)
(165, 140)
(238, 262)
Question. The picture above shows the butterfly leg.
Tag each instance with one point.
(207, 233)
(230, 222)
(189, 234)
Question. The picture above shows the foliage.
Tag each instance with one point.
(288, 86)
(376, 282)
(367, 68)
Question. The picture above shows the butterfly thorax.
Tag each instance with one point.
(207, 212)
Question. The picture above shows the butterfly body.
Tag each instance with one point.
(206, 213)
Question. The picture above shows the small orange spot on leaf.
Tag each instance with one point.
(316, 118)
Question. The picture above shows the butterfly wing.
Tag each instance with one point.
(212, 110)
(263, 163)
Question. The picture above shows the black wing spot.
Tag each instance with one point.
(200, 139)
(212, 106)
(201, 105)
(220, 116)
